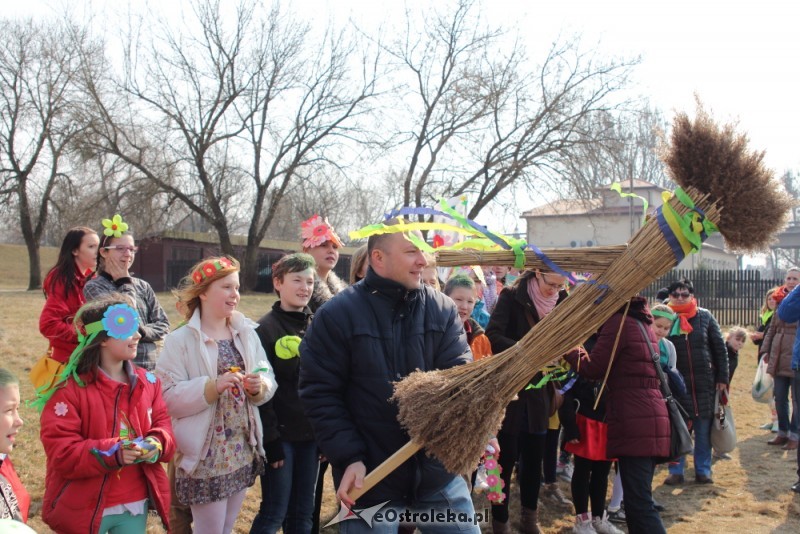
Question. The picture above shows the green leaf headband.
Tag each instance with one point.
(115, 226)
(119, 321)
(664, 314)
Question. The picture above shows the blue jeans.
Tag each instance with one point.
(702, 450)
(787, 426)
(796, 399)
(287, 493)
(453, 498)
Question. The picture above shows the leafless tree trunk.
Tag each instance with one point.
(227, 114)
(38, 67)
(489, 120)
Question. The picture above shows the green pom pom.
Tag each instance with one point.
(287, 347)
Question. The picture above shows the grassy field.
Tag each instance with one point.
(751, 492)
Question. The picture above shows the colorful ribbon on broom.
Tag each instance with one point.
(684, 233)
(479, 238)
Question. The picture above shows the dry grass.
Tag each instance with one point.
(751, 491)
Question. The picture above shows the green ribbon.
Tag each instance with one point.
(616, 186)
(557, 375)
(692, 223)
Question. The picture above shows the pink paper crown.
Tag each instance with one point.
(316, 231)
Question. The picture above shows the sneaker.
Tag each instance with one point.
(617, 516)
(674, 480)
(553, 493)
(796, 487)
(603, 526)
(564, 471)
(766, 426)
(722, 455)
(583, 524)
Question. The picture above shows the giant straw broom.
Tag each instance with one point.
(452, 413)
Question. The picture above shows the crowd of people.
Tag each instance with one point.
(224, 400)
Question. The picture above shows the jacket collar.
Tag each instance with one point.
(301, 316)
(103, 381)
(237, 322)
(390, 289)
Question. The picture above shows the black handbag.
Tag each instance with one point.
(680, 441)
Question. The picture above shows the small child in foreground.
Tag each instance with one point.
(14, 500)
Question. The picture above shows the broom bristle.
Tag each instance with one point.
(716, 160)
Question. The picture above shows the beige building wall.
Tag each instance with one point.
(583, 230)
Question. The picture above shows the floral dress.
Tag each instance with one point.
(231, 464)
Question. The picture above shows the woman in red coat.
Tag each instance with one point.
(638, 422)
(63, 289)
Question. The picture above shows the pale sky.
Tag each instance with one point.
(741, 57)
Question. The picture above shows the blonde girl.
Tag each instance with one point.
(215, 373)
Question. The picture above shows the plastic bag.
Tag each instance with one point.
(762, 384)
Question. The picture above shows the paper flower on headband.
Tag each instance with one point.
(115, 226)
(316, 231)
(120, 321)
(209, 268)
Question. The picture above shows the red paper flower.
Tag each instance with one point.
(316, 231)
(209, 269)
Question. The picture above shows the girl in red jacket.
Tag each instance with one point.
(105, 427)
(63, 291)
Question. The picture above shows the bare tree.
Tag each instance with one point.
(229, 113)
(38, 68)
(630, 151)
(452, 87)
(490, 120)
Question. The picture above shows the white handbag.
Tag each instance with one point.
(723, 427)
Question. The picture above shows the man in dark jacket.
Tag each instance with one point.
(367, 337)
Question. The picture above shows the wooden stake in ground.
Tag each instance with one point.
(452, 413)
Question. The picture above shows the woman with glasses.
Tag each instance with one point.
(523, 435)
(114, 259)
(703, 360)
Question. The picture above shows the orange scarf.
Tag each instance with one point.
(780, 294)
(685, 312)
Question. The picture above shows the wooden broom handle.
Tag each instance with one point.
(382, 471)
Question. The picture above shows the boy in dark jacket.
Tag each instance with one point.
(287, 487)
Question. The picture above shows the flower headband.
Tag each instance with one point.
(316, 231)
(209, 268)
(119, 321)
(115, 226)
